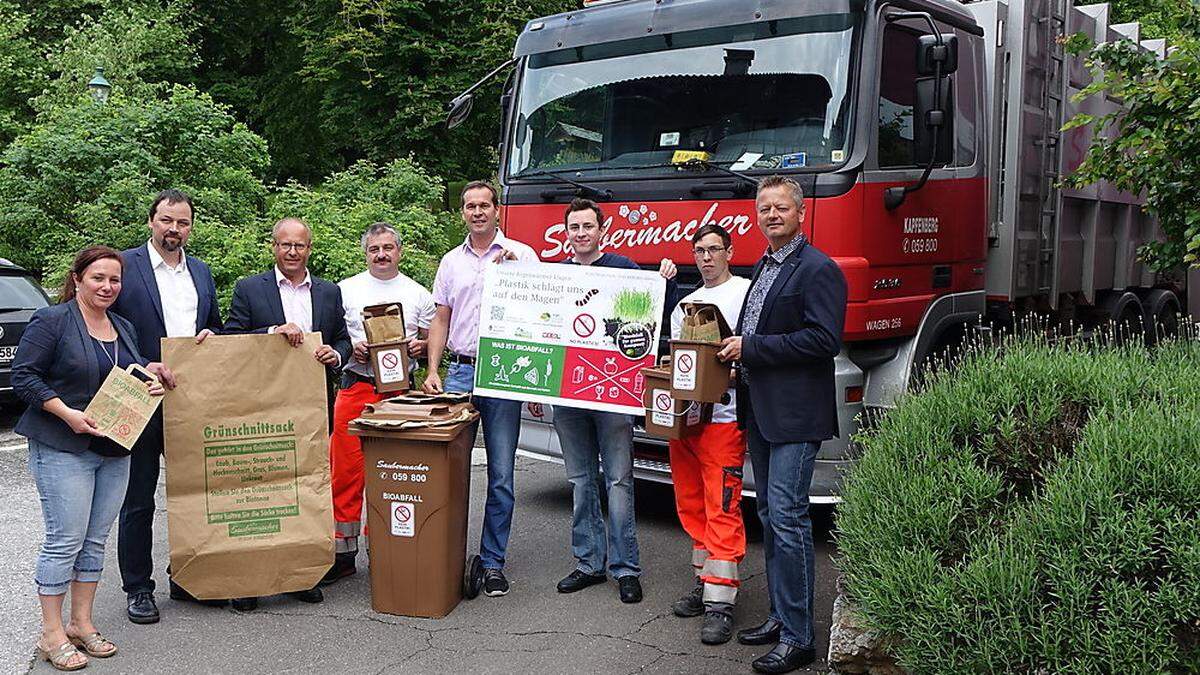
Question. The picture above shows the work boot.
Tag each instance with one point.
(718, 623)
(691, 604)
(343, 566)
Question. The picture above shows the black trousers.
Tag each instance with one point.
(135, 529)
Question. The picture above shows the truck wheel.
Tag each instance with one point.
(1162, 315)
(1121, 313)
(472, 577)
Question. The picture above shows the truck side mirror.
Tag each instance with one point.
(929, 53)
(933, 119)
(459, 110)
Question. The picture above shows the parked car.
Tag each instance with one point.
(20, 297)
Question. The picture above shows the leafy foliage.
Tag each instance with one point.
(1152, 144)
(1034, 510)
(86, 173)
(328, 83)
(340, 209)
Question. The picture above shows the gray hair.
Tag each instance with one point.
(290, 221)
(789, 184)
(379, 228)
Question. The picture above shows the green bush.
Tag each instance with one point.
(1035, 510)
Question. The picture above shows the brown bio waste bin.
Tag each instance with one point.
(417, 456)
(697, 373)
(666, 416)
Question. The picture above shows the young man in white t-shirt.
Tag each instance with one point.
(706, 466)
(381, 283)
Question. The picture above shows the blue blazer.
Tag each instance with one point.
(56, 358)
(792, 395)
(141, 304)
(256, 307)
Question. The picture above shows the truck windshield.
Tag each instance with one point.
(772, 95)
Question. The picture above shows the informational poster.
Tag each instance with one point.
(572, 335)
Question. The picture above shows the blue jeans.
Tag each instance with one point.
(590, 439)
(782, 475)
(501, 421)
(81, 495)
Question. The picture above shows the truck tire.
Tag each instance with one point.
(1162, 311)
(1121, 317)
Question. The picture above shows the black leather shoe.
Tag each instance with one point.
(691, 604)
(178, 593)
(578, 580)
(343, 566)
(142, 608)
(312, 595)
(718, 624)
(245, 604)
(764, 633)
(784, 658)
(630, 589)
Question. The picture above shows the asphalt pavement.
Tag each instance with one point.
(533, 629)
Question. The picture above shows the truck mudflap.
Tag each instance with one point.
(650, 457)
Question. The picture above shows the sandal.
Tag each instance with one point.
(95, 645)
(60, 657)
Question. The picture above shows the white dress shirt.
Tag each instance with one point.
(176, 293)
(297, 300)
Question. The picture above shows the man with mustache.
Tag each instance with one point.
(382, 283)
(166, 293)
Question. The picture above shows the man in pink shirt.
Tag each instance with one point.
(457, 290)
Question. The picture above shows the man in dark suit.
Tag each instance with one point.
(165, 293)
(290, 302)
(789, 332)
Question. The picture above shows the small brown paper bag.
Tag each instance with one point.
(247, 448)
(383, 323)
(703, 322)
(122, 407)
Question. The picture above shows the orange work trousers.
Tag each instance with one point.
(346, 465)
(706, 468)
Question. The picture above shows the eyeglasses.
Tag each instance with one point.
(700, 251)
(298, 248)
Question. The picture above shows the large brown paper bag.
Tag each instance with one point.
(123, 406)
(248, 500)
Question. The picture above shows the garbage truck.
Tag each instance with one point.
(926, 134)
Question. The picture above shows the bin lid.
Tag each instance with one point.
(412, 412)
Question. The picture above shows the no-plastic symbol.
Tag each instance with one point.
(403, 513)
(584, 325)
(390, 361)
(663, 402)
(123, 430)
(685, 363)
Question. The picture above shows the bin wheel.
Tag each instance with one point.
(473, 578)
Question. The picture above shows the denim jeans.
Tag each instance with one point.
(501, 421)
(589, 440)
(782, 475)
(81, 495)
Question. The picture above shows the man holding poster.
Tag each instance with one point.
(457, 290)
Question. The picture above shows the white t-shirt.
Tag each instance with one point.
(728, 297)
(363, 289)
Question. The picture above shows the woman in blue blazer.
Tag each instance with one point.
(64, 355)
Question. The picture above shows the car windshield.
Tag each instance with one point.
(772, 95)
(17, 292)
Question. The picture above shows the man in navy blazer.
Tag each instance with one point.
(165, 293)
(288, 301)
(789, 332)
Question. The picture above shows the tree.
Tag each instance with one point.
(339, 210)
(328, 83)
(86, 173)
(1152, 144)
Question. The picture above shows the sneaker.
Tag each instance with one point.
(494, 583)
(578, 580)
(691, 604)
